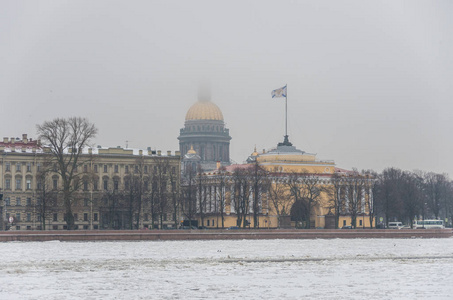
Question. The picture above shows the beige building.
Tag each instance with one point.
(284, 187)
(117, 188)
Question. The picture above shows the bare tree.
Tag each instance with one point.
(46, 196)
(306, 189)
(436, 188)
(279, 195)
(188, 199)
(241, 195)
(174, 193)
(259, 183)
(387, 196)
(160, 184)
(355, 196)
(222, 185)
(114, 209)
(66, 139)
(336, 202)
(201, 191)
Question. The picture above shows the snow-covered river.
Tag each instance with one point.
(241, 269)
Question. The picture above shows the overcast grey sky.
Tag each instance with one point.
(369, 82)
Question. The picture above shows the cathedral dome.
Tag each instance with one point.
(204, 110)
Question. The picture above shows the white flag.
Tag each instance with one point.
(278, 93)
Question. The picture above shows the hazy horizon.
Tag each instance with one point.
(369, 82)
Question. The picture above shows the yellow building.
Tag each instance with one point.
(107, 193)
(283, 187)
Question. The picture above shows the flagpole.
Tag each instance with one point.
(286, 111)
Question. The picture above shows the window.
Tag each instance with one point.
(360, 222)
(55, 184)
(28, 184)
(95, 168)
(8, 167)
(18, 184)
(146, 170)
(85, 202)
(29, 201)
(18, 167)
(116, 168)
(85, 168)
(76, 217)
(95, 185)
(38, 167)
(28, 167)
(127, 169)
(95, 216)
(173, 170)
(136, 169)
(18, 202)
(105, 168)
(212, 223)
(17, 217)
(28, 217)
(106, 184)
(344, 222)
(115, 184)
(39, 185)
(85, 185)
(8, 184)
(85, 217)
(39, 218)
(55, 217)
(7, 202)
(207, 222)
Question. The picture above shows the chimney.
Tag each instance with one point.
(159, 152)
(140, 152)
(90, 151)
(168, 153)
(218, 165)
(5, 140)
(24, 138)
(13, 140)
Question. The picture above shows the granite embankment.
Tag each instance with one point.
(162, 235)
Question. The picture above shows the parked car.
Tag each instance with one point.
(232, 228)
(405, 227)
(395, 225)
(347, 227)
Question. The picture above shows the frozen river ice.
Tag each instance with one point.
(230, 269)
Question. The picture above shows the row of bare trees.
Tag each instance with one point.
(404, 195)
(150, 189)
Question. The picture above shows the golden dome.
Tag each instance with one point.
(204, 110)
(191, 151)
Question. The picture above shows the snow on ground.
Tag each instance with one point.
(229, 269)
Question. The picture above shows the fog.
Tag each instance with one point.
(369, 82)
